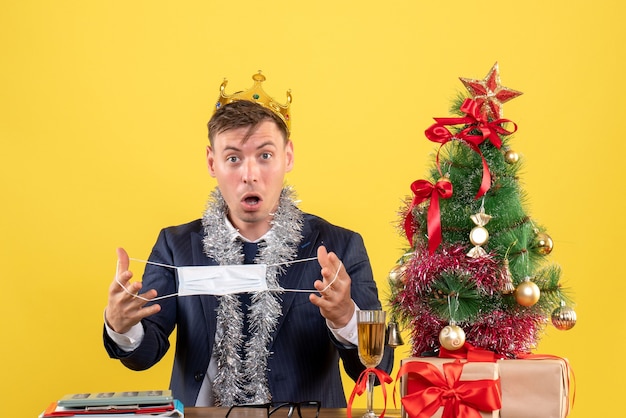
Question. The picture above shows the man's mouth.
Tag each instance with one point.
(251, 200)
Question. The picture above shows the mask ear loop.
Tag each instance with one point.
(134, 295)
(315, 290)
(334, 278)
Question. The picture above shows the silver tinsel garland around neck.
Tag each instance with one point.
(244, 380)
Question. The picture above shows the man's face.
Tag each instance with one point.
(250, 174)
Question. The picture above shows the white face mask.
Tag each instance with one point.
(221, 280)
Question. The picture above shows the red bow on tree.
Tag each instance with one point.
(478, 130)
(424, 190)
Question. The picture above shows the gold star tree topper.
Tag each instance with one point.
(489, 93)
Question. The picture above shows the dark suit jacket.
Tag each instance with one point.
(304, 359)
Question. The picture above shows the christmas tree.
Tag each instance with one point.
(476, 270)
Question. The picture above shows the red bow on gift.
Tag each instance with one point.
(431, 390)
(424, 190)
(477, 123)
(470, 353)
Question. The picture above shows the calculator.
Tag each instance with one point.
(144, 397)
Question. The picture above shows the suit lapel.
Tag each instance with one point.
(209, 303)
(295, 277)
(199, 258)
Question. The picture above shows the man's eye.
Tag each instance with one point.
(232, 159)
(266, 155)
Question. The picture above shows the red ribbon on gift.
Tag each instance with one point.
(471, 353)
(361, 386)
(568, 367)
(431, 390)
(476, 122)
(424, 190)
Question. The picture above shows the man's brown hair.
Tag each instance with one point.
(240, 114)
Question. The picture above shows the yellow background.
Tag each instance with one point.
(103, 106)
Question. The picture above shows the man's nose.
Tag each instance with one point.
(250, 172)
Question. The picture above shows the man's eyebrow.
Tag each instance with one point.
(231, 148)
(265, 144)
(260, 146)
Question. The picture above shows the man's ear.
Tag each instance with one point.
(210, 160)
(289, 156)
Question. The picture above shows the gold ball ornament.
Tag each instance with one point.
(397, 275)
(511, 156)
(527, 293)
(542, 243)
(563, 317)
(452, 337)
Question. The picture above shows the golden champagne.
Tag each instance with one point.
(371, 342)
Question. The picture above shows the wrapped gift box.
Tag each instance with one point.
(534, 388)
(472, 371)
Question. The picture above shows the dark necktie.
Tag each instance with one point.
(249, 253)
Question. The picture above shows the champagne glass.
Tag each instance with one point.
(371, 334)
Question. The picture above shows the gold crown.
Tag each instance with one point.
(258, 95)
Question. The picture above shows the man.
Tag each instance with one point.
(276, 344)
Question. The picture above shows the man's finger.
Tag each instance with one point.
(123, 261)
(329, 262)
(134, 288)
(146, 311)
(327, 259)
(322, 256)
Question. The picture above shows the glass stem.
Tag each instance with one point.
(370, 392)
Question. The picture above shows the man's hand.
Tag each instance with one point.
(335, 302)
(125, 309)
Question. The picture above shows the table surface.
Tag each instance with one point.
(212, 412)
